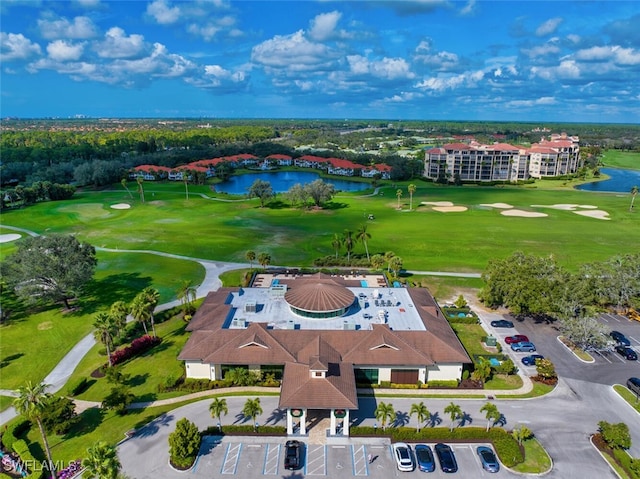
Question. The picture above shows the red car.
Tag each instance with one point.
(518, 338)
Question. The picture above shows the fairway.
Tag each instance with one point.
(575, 226)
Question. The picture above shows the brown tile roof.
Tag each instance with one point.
(336, 390)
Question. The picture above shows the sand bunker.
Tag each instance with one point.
(523, 214)
(450, 209)
(9, 237)
(597, 214)
(437, 203)
(121, 206)
(566, 206)
(498, 205)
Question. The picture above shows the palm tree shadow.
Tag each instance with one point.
(276, 416)
(501, 421)
(434, 419)
(401, 419)
(464, 419)
(241, 418)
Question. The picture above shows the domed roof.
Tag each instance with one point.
(317, 296)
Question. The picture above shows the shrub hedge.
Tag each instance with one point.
(138, 346)
(14, 431)
(504, 444)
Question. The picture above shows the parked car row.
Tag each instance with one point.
(425, 459)
(623, 347)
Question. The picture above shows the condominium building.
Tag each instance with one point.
(472, 161)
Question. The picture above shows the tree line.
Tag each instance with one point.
(538, 286)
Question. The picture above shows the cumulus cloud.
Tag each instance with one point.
(616, 54)
(61, 28)
(451, 82)
(323, 26)
(64, 51)
(541, 50)
(117, 44)
(15, 46)
(293, 53)
(163, 13)
(545, 100)
(549, 27)
(387, 68)
(566, 70)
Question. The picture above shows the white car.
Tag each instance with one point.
(403, 457)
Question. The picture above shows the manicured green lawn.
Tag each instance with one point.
(628, 396)
(145, 372)
(621, 159)
(425, 239)
(503, 381)
(539, 389)
(471, 336)
(34, 341)
(536, 459)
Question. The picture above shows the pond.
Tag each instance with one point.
(620, 181)
(282, 181)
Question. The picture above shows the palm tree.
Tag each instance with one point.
(396, 265)
(362, 235)
(31, 402)
(217, 408)
(251, 257)
(336, 242)
(151, 297)
(491, 413)
(105, 329)
(481, 370)
(101, 462)
(264, 259)
(252, 409)
(454, 411)
(185, 179)
(140, 180)
(384, 412)
(412, 189)
(118, 313)
(399, 195)
(187, 295)
(347, 239)
(377, 261)
(421, 412)
(140, 311)
(521, 433)
(634, 192)
(388, 256)
(123, 182)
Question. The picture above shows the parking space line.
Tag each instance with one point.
(316, 463)
(271, 460)
(634, 339)
(231, 457)
(359, 460)
(603, 356)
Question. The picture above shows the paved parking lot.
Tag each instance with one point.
(223, 459)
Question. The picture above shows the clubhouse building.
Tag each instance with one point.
(323, 336)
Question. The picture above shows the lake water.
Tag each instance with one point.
(620, 181)
(282, 181)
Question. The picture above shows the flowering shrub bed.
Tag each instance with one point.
(138, 346)
(71, 470)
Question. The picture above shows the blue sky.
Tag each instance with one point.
(556, 61)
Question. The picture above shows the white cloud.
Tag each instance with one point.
(15, 46)
(292, 52)
(79, 28)
(387, 68)
(437, 60)
(451, 82)
(469, 8)
(323, 26)
(162, 12)
(64, 51)
(545, 100)
(541, 50)
(616, 54)
(117, 44)
(549, 27)
(567, 70)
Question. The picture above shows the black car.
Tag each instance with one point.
(620, 338)
(293, 455)
(627, 353)
(502, 323)
(446, 458)
(531, 360)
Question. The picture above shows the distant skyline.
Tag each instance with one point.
(556, 61)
